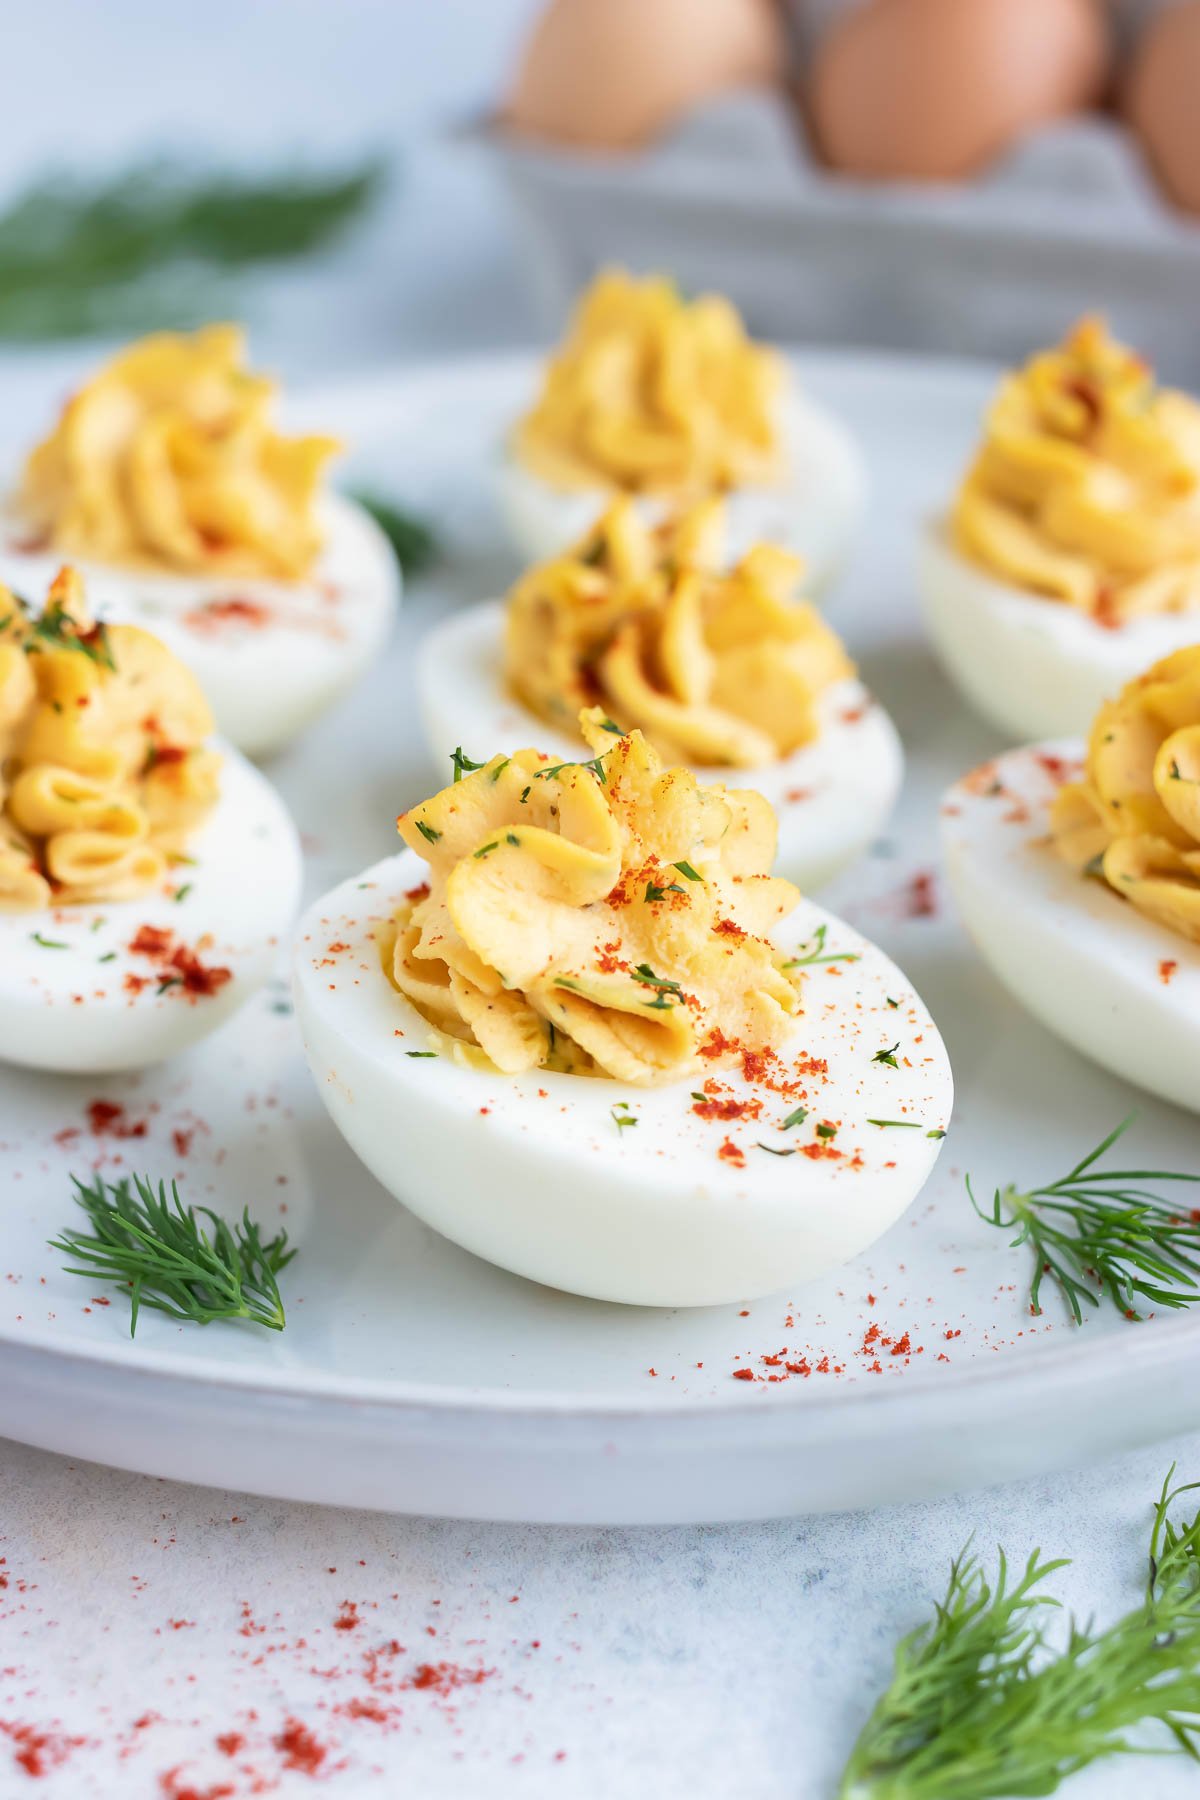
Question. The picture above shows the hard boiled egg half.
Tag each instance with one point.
(1071, 557)
(721, 667)
(584, 1034)
(1077, 870)
(666, 400)
(190, 515)
(147, 873)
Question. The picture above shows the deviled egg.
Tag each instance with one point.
(720, 668)
(146, 877)
(167, 484)
(1071, 556)
(666, 399)
(581, 1030)
(1077, 871)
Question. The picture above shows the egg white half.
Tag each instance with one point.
(832, 796)
(1032, 667)
(1115, 985)
(81, 1001)
(815, 510)
(271, 656)
(532, 1172)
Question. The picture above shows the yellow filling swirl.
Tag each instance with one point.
(714, 667)
(1087, 486)
(1135, 819)
(655, 394)
(167, 459)
(104, 772)
(607, 917)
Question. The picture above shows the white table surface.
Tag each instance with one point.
(692, 1664)
(146, 1620)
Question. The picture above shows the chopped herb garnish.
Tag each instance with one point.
(168, 981)
(827, 1131)
(420, 1053)
(97, 922)
(607, 725)
(595, 764)
(899, 1124)
(47, 943)
(892, 1003)
(653, 892)
(499, 769)
(938, 1133)
(512, 838)
(427, 831)
(621, 1115)
(54, 628)
(795, 1118)
(109, 956)
(159, 1251)
(887, 1056)
(181, 893)
(687, 871)
(463, 764)
(645, 974)
(813, 952)
(771, 1151)
(484, 848)
(1098, 1234)
(525, 793)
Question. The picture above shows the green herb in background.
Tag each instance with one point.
(1098, 1235)
(981, 1707)
(413, 540)
(159, 1251)
(147, 248)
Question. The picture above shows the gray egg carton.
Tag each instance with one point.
(1069, 222)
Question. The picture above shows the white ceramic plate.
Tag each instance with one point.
(412, 1376)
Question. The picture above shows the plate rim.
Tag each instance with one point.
(373, 395)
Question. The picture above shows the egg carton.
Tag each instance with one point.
(734, 200)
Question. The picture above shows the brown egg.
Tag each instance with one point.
(1162, 101)
(935, 89)
(611, 74)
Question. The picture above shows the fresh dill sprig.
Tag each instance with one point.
(158, 1249)
(147, 247)
(981, 1706)
(1099, 1235)
(413, 539)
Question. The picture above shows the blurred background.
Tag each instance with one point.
(363, 180)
